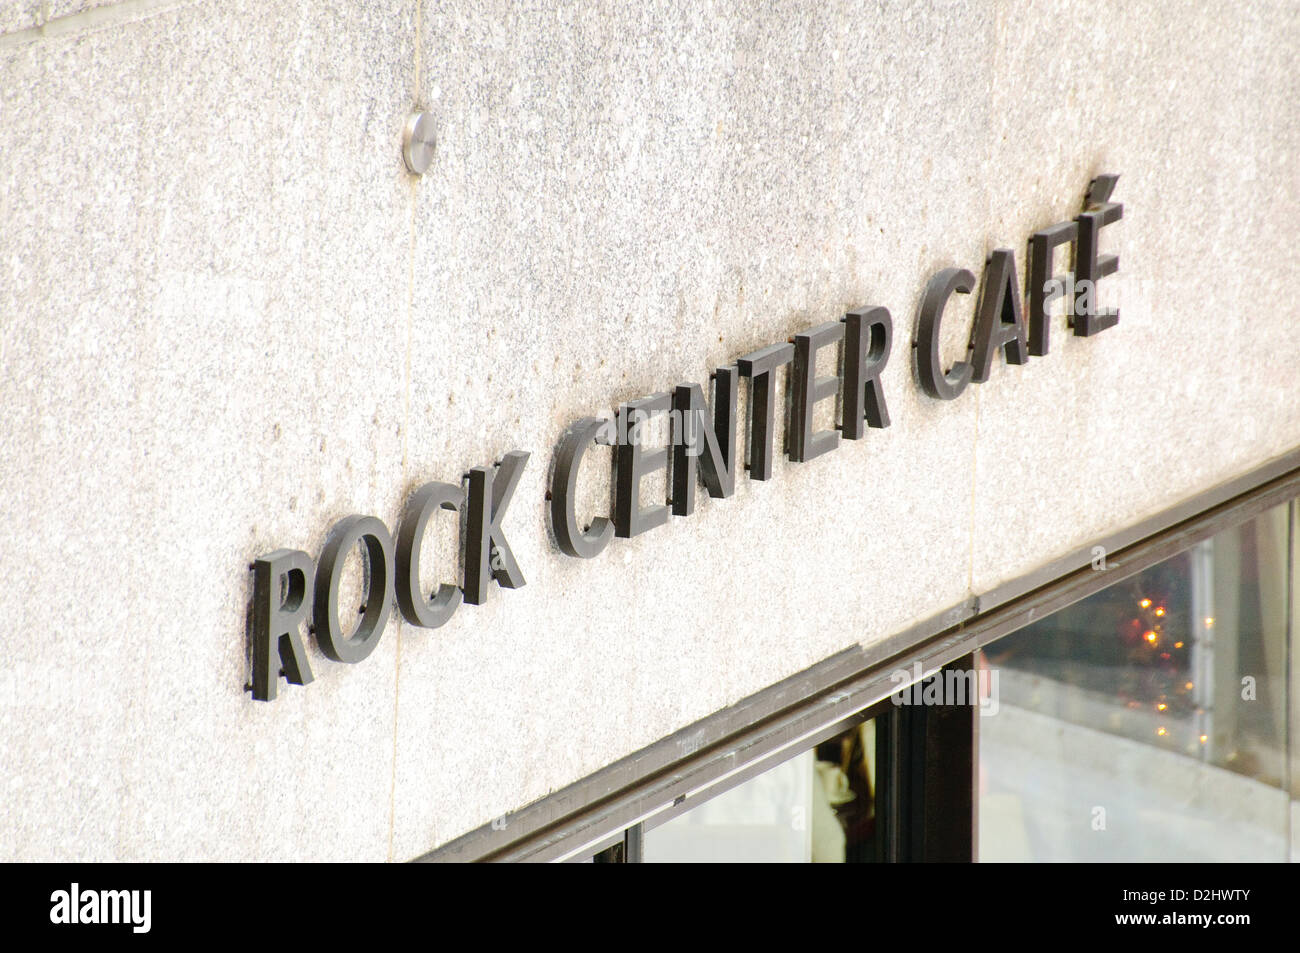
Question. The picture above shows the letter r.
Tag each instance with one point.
(277, 645)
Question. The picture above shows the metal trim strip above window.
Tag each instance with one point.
(593, 812)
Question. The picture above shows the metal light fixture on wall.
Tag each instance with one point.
(418, 141)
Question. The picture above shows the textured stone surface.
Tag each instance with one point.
(65, 8)
(61, 17)
(230, 318)
(192, 379)
(641, 210)
(1196, 383)
(19, 15)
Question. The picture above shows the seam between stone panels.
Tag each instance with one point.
(974, 491)
(994, 33)
(87, 21)
(419, 18)
(406, 429)
(414, 192)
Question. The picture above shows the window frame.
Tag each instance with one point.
(597, 810)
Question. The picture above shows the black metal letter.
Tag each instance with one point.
(378, 544)
(717, 452)
(633, 463)
(999, 322)
(758, 367)
(1088, 267)
(868, 336)
(1041, 247)
(808, 389)
(278, 610)
(420, 508)
(933, 380)
(564, 483)
(487, 553)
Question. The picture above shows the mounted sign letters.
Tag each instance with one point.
(703, 447)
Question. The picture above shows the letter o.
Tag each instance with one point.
(345, 534)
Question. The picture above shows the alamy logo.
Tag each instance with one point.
(102, 906)
(947, 687)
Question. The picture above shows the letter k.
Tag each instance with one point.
(487, 552)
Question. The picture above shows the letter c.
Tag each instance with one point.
(420, 508)
(933, 379)
(564, 520)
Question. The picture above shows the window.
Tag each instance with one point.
(815, 806)
(1138, 708)
(1149, 721)
(818, 806)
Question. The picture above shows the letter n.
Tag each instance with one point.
(713, 445)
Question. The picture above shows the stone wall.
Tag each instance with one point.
(229, 317)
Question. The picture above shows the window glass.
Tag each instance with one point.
(1148, 721)
(817, 807)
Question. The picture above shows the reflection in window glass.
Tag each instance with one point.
(818, 807)
(1148, 721)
